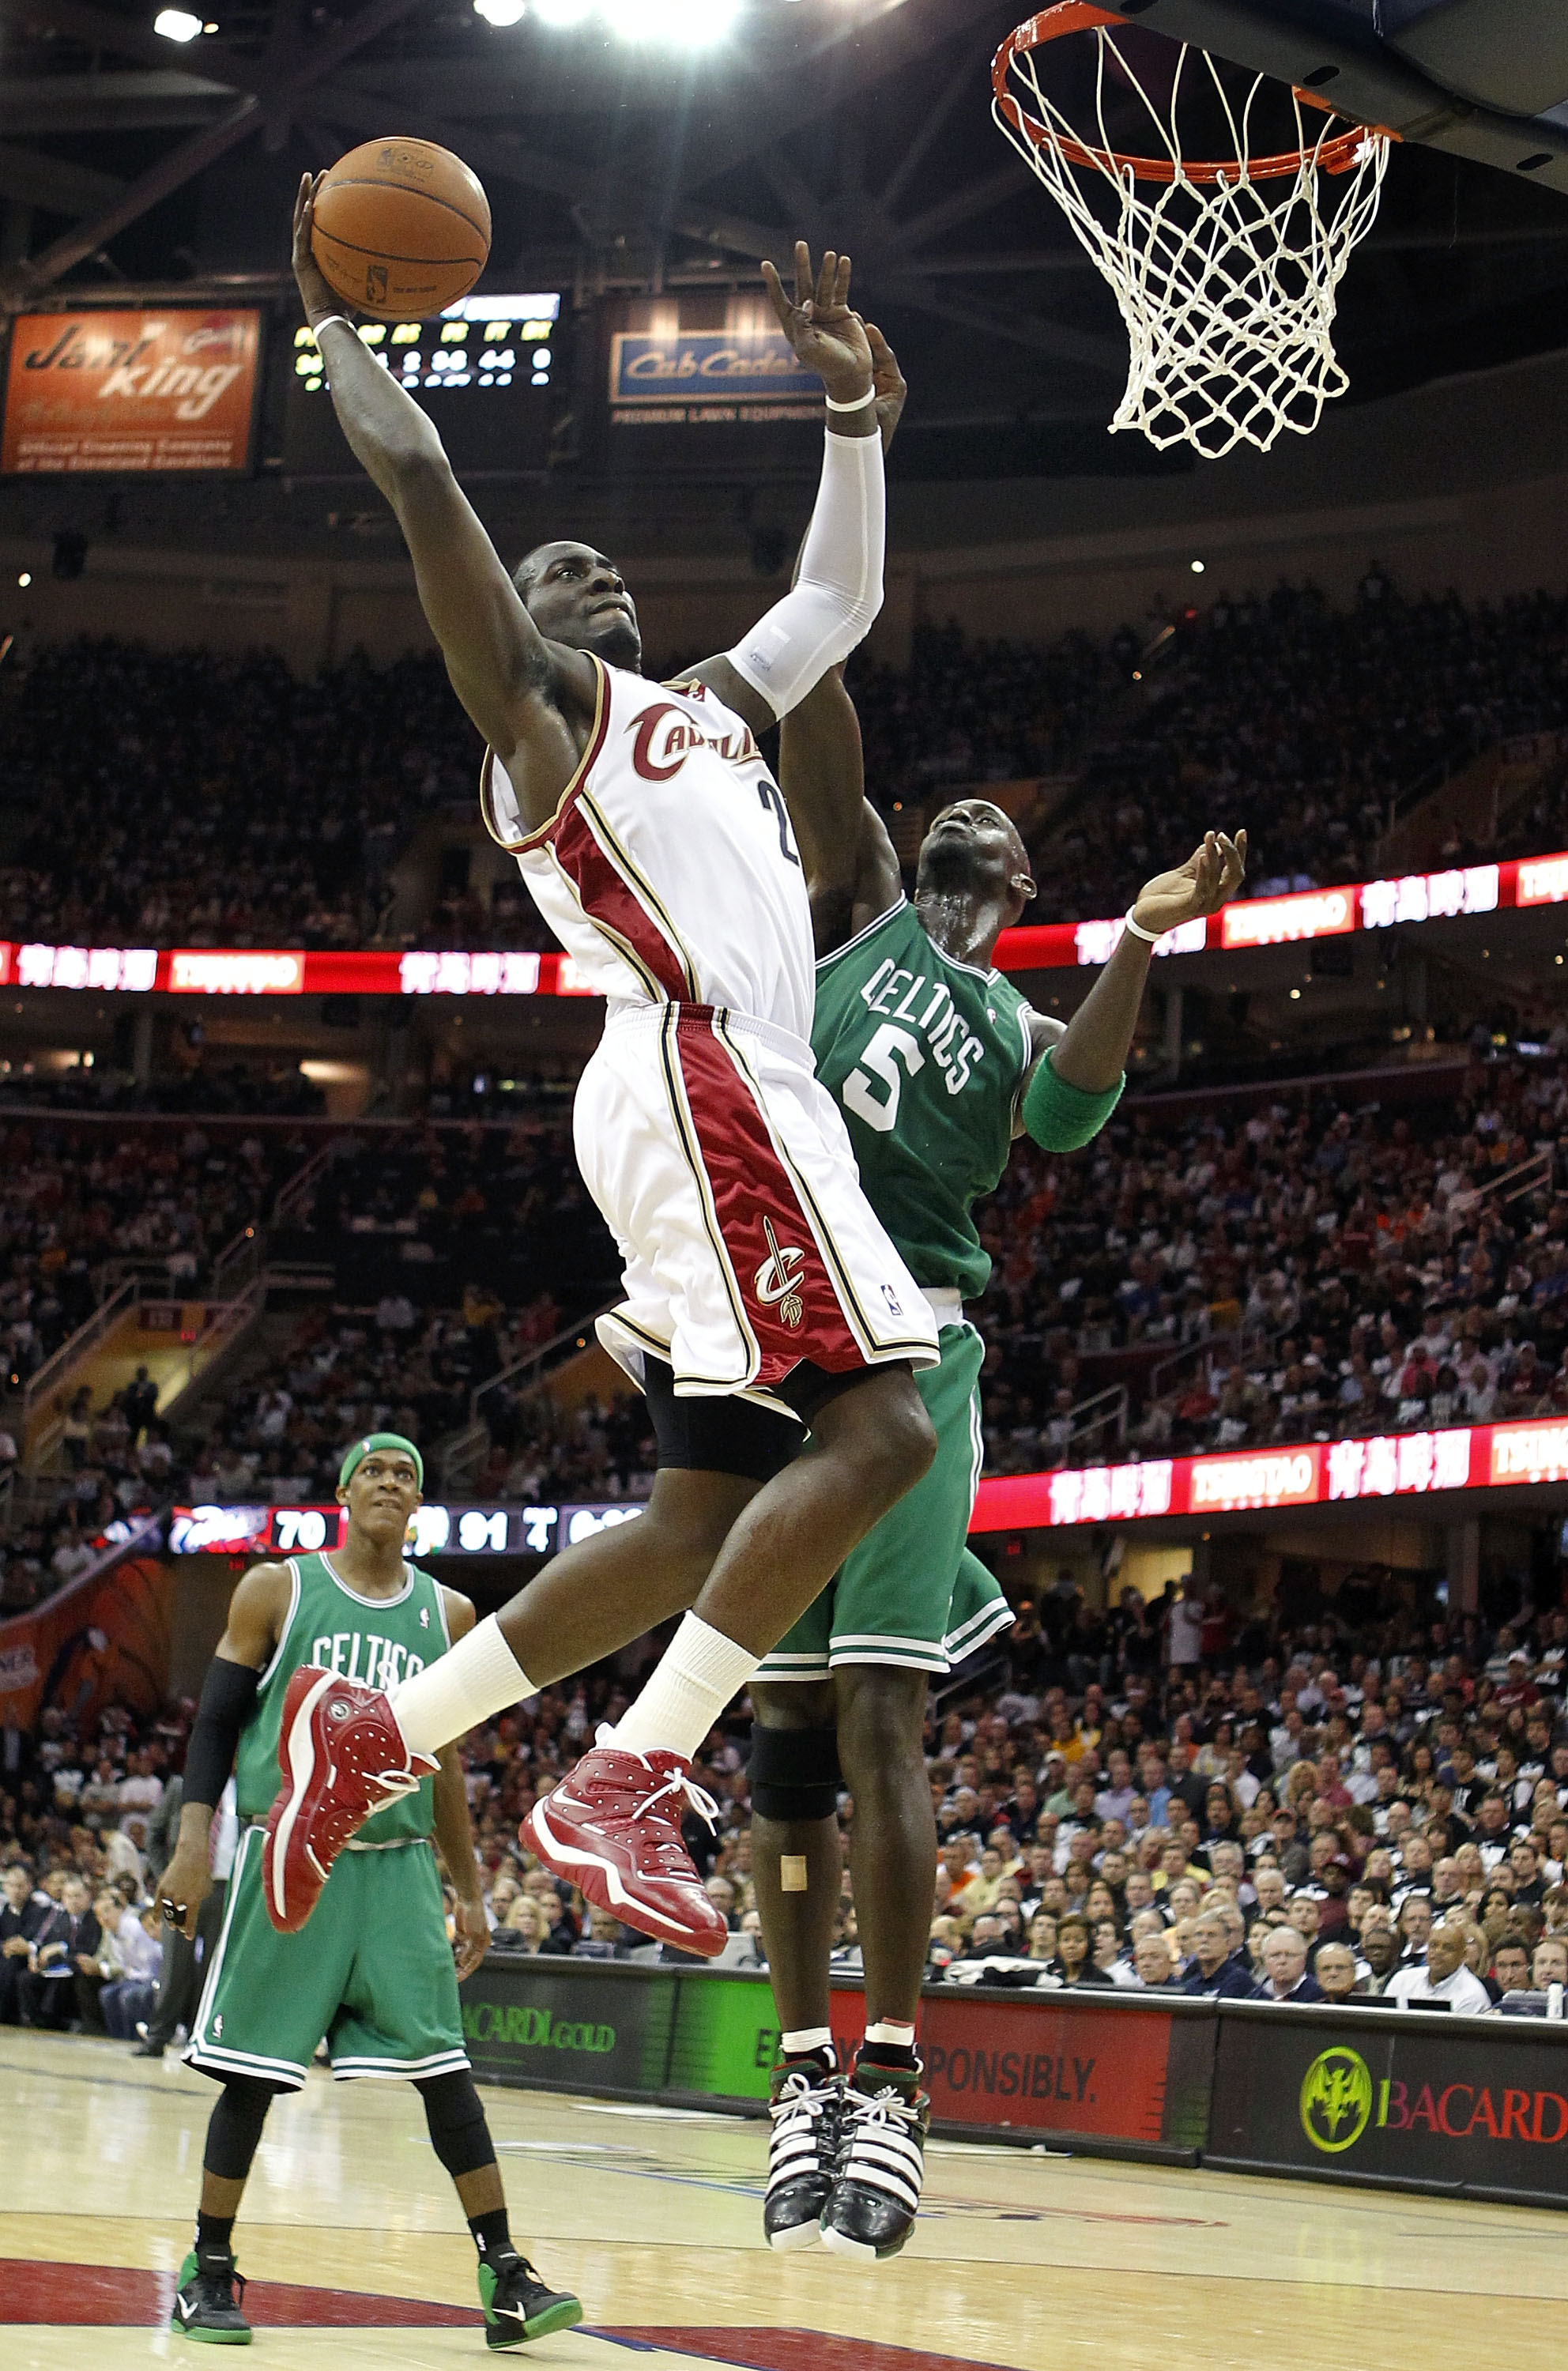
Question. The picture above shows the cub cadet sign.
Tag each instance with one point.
(532, 2029)
(1339, 2101)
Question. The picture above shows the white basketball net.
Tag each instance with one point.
(1228, 288)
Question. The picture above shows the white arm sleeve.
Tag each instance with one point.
(838, 591)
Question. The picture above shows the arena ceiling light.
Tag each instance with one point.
(500, 12)
(177, 24)
(695, 24)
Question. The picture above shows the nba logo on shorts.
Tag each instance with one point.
(892, 1299)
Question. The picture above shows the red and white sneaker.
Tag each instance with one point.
(344, 1758)
(614, 1829)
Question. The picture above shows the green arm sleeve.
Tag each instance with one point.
(1061, 1118)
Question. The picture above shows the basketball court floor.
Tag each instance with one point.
(356, 2253)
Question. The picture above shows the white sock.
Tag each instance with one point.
(889, 2028)
(807, 2038)
(701, 1672)
(481, 1676)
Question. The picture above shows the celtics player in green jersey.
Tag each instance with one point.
(938, 1063)
(374, 1974)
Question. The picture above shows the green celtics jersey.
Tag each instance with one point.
(380, 1640)
(926, 1055)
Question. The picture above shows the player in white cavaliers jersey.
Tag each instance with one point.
(700, 1115)
(660, 850)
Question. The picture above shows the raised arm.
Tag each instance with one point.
(1078, 1073)
(838, 584)
(851, 871)
(531, 700)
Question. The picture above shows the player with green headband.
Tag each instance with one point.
(374, 1974)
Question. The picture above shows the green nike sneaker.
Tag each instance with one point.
(205, 2306)
(517, 2303)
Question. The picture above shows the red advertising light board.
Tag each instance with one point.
(1303, 1474)
(155, 388)
(1415, 898)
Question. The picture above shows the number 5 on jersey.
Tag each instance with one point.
(890, 1047)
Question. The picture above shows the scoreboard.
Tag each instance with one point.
(485, 370)
(435, 1530)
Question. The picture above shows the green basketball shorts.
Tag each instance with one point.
(912, 1593)
(373, 1972)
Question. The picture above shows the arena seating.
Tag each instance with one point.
(1300, 1267)
(1290, 1269)
(1310, 724)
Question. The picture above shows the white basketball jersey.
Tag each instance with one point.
(669, 871)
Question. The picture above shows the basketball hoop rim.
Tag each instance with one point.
(1340, 155)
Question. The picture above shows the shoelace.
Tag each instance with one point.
(801, 2126)
(678, 1783)
(878, 2142)
(224, 2279)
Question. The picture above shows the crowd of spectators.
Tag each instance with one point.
(1187, 1794)
(82, 1206)
(189, 798)
(1313, 727)
(1294, 1268)
(1301, 1268)
(981, 712)
(195, 799)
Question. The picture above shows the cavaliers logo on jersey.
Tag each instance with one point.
(667, 736)
(778, 1279)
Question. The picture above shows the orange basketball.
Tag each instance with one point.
(401, 228)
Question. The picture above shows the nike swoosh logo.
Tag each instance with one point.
(185, 2308)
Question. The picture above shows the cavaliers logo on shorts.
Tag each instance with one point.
(779, 1278)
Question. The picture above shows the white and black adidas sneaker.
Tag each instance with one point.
(882, 2161)
(806, 2106)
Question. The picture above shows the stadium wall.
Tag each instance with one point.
(1376, 2097)
(1027, 557)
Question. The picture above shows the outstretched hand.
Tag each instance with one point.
(315, 294)
(826, 336)
(888, 384)
(1209, 879)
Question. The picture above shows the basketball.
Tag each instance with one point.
(401, 228)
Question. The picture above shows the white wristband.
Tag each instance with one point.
(1137, 929)
(327, 322)
(858, 404)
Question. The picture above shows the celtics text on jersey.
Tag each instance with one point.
(379, 1640)
(926, 1055)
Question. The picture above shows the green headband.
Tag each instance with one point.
(361, 1450)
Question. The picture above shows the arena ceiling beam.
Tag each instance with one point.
(33, 179)
(193, 155)
(43, 106)
(582, 188)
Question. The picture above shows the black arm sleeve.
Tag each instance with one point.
(227, 1695)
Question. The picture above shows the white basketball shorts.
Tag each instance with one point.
(724, 1171)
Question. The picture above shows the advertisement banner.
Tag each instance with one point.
(1388, 2095)
(709, 375)
(1131, 2079)
(147, 390)
(104, 1639)
(1043, 946)
(568, 2025)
